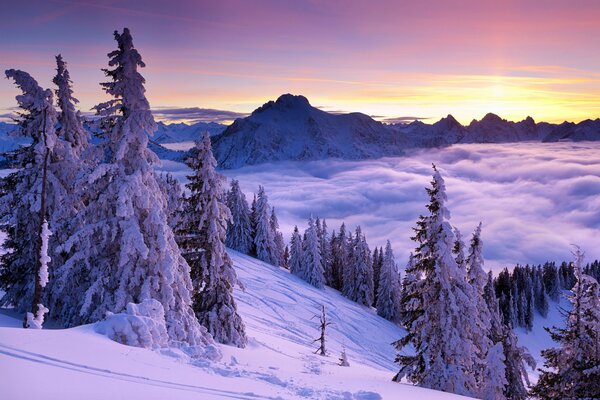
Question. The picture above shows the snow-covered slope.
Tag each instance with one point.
(291, 129)
(278, 363)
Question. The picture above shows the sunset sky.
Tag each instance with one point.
(388, 59)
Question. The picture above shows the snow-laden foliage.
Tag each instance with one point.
(279, 246)
(459, 249)
(438, 324)
(173, 192)
(239, 230)
(494, 378)
(325, 249)
(573, 369)
(296, 254)
(264, 238)
(339, 257)
(311, 263)
(71, 124)
(126, 249)
(201, 237)
(358, 273)
(388, 296)
(140, 325)
(21, 204)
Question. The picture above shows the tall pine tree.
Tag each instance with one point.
(202, 240)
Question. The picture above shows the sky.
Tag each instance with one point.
(387, 59)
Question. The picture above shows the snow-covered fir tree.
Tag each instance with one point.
(279, 246)
(388, 296)
(29, 196)
(459, 249)
(443, 356)
(71, 121)
(264, 241)
(409, 301)
(239, 230)
(201, 237)
(126, 234)
(339, 257)
(173, 192)
(489, 364)
(311, 264)
(516, 359)
(325, 248)
(358, 273)
(573, 369)
(296, 253)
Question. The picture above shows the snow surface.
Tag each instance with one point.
(278, 363)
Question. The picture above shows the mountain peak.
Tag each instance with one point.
(491, 117)
(285, 101)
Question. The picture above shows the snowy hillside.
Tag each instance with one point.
(278, 363)
(175, 133)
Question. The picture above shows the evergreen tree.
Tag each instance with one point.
(239, 229)
(71, 121)
(339, 257)
(126, 235)
(516, 358)
(410, 300)
(459, 249)
(253, 219)
(202, 241)
(277, 239)
(388, 297)
(264, 241)
(551, 281)
(312, 266)
(490, 358)
(574, 367)
(174, 194)
(286, 258)
(28, 197)
(358, 274)
(296, 254)
(326, 254)
(436, 324)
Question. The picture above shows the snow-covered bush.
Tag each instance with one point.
(140, 325)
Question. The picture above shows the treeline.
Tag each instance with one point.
(526, 289)
(342, 260)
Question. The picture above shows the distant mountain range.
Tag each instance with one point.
(291, 129)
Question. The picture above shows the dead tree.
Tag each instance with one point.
(324, 324)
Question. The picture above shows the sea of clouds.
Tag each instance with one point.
(534, 199)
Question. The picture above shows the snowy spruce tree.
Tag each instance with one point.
(30, 197)
(239, 230)
(573, 368)
(174, 194)
(311, 264)
(296, 253)
(339, 257)
(279, 245)
(439, 311)
(388, 296)
(489, 356)
(358, 273)
(264, 240)
(201, 237)
(126, 235)
(459, 249)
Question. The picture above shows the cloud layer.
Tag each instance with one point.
(534, 199)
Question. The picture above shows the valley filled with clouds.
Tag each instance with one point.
(534, 199)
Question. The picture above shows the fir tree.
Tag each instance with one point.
(30, 196)
(358, 273)
(239, 230)
(278, 248)
(296, 254)
(126, 235)
(574, 367)
(443, 350)
(312, 266)
(459, 249)
(264, 240)
(202, 240)
(388, 297)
